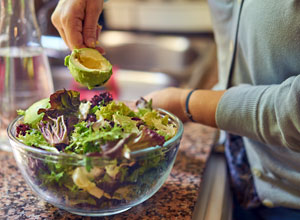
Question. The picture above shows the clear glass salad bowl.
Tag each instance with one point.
(121, 183)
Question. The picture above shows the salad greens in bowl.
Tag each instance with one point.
(97, 157)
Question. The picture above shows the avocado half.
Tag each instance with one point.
(89, 67)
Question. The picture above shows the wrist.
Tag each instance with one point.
(187, 108)
(203, 105)
(183, 98)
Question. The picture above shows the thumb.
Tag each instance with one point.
(92, 13)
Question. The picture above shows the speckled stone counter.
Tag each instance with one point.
(175, 200)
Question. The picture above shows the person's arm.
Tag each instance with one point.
(202, 103)
(77, 22)
(266, 113)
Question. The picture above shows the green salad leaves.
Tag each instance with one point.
(106, 133)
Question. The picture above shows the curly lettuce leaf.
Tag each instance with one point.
(113, 108)
(35, 138)
(155, 121)
(143, 106)
(57, 174)
(53, 177)
(86, 140)
(129, 125)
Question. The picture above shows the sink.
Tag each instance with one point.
(144, 62)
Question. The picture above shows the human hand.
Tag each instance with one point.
(171, 99)
(77, 22)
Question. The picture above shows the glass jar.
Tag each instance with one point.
(25, 75)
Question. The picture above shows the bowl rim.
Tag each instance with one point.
(138, 153)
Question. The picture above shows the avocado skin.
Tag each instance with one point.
(89, 78)
(31, 116)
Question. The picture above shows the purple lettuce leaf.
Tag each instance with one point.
(55, 132)
(102, 99)
(147, 138)
(63, 102)
(143, 103)
(115, 149)
(21, 129)
(70, 121)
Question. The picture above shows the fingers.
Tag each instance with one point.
(63, 36)
(90, 25)
(77, 22)
(73, 32)
(67, 19)
(171, 99)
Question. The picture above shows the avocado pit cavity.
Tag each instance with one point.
(90, 59)
(89, 67)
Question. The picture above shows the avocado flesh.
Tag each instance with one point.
(91, 59)
(88, 67)
(90, 63)
(31, 116)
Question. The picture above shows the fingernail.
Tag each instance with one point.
(91, 42)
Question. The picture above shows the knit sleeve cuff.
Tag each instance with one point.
(237, 110)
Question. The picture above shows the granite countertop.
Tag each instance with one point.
(175, 200)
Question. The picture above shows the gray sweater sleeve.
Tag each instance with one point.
(270, 114)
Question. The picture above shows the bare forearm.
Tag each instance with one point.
(203, 105)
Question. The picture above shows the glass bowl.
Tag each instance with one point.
(130, 181)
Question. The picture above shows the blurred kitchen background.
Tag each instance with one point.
(152, 44)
